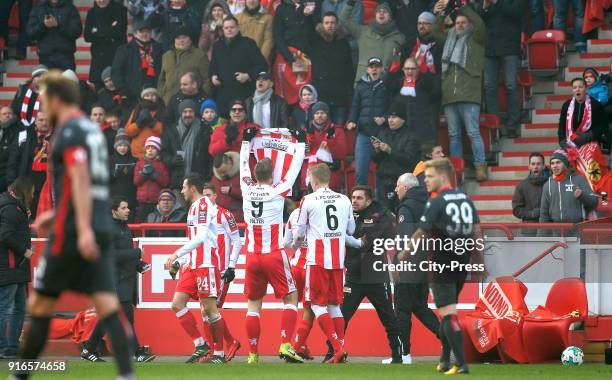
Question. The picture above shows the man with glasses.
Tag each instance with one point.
(229, 136)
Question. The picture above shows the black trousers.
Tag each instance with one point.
(95, 339)
(379, 296)
(412, 299)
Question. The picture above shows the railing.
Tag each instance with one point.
(536, 259)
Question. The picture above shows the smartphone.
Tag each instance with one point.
(374, 139)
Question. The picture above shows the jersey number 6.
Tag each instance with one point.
(332, 220)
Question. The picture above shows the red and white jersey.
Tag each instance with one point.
(299, 256)
(326, 217)
(277, 144)
(263, 205)
(202, 235)
(228, 239)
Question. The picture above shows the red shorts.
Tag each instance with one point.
(299, 276)
(270, 268)
(199, 283)
(323, 286)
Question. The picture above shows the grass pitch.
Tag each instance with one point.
(278, 371)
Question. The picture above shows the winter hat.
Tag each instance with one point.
(590, 70)
(427, 17)
(187, 103)
(561, 155)
(121, 138)
(106, 73)
(383, 7)
(239, 102)
(209, 103)
(70, 74)
(39, 70)
(397, 109)
(166, 193)
(183, 31)
(320, 106)
(153, 141)
(139, 24)
(149, 90)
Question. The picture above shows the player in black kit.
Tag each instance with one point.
(449, 230)
(77, 256)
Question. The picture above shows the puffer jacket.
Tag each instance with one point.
(58, 40)
(371, 99)
(14, 241)
(404, 153)
(148, 189)
(558, 203)
(599, 91)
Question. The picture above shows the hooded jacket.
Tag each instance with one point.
(177, 215)
(527, 196)
(599, 91)
(208, 34)
(370, 100)
(232, 199)
(558, 203)
(14, 241)
(336, 144)
(58, 40)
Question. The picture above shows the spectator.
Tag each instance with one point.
(168, 210)
(235, 62)
(15, 253)
(190, 88)
(24, 8)
(301, 114)
(29, 156)
(336, 6)
(292, 67)
(177, 16)
(581, 123)
(379, 39)
(98, 116)
(137, 64)
(26, 102)
(145, 121)
(265, 108)
(370, 103)
(112, 120)
(537, 15)
(504, 22)
(561, 8)
(596, 88)
(406, 15)
(256, 24)
(185, 146)
(150, 176)
(226, 180)
(566, 196)
(430, 151)
(210, 115)
(122, 165)
(229, 136)
(528, 193)
(109, 96)
(141, 10)
(105, 30)
(419, 92)
(327, 144)
(332, 72)
(212, 25)
(395, 151)
(9, 129)
(86, 91)
(55, 25)
(462, 64)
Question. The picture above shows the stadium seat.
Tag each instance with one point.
(459, 165)
(546, 329)
(545, 52)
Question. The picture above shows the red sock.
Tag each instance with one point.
(218, 331)
(227, 336)
(189, 325)
(288, 321)
(327, 325)
(301, 335)
(253, 330)
(339, 325)
(208, 335)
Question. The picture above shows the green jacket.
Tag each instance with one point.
(458, 84)
(175, 64)
(370, 44)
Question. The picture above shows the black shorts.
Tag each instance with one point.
(446, 293)
(69, 271)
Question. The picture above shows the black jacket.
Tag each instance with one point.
(14, 241)
(21, 155)
(599, 123)
(374, 222)
(201, 160)
(279, 112)
(18, 101)
(242, 55)
(126, 260)
(122, 177)
(291, 29)
(177, 215)
(409, 213)
(122, 106)
(107, 38)
(404, 153)
(527, 196)
(8, 136)
(169, 21)
(128, 76)
(58, 40)
(504, 27)
(332, 67)
(300, 119)
(172, 115)
(406, 16)
(371, 99)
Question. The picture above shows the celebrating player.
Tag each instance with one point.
(200, 278)
(326, 217)
(267, 262)
(77, 257)
(449, 215)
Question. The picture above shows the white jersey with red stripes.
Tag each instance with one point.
(202, 235)
(299, 256)
(228, 239)
(263, 205)
(326, 217)
(277, 144)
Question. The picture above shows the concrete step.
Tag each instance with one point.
(7, 93)
(590, 59)
(602, 45)
(490, 187)
(531, 144)
(547, 101)
(28, 65)
(605, 32)
(498, 218)
(492, 202)
(539, 130)
(543, 86)
(507, 172)
(545, 116)
(518, 158)
(572, 72)
(563, 88)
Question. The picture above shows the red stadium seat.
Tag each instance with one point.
(545, 51)
(459, 165)
(351, 136)
(546, 329)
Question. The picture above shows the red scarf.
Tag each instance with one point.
(585, 124)
(422, 54)
(408, 87)
(25, 105)
(146, 57)
(559, 177)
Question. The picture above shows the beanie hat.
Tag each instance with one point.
(320, 106)
(39, 70)
(166, 193)
(561, 155)
(106, 73)
(590, 70)
(121, 138)
(209, 103)
(237, 102)
(187, 103)
(149, 90)
(383, 6)
(397, 109)
(70, 74)
(153, 141)
(427, 17)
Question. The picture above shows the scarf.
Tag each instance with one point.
(147, 63)
(26, 104)
(585, 124)
(560, 177)
(408, 87)
(188, 136)
(259, 100)
(455, 48)
(383, 29)
(422, 54)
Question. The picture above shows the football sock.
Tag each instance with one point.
(446, 348)
(452, 330)
(189, 324)
(35, 341)
(253, 330)
(336, 315)
(118, 333)
(208, 334)
(327, 325)
(288, 321)
(217, 324)
(227, 336)
(301, 335)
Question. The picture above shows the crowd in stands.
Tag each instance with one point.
(367, 81)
